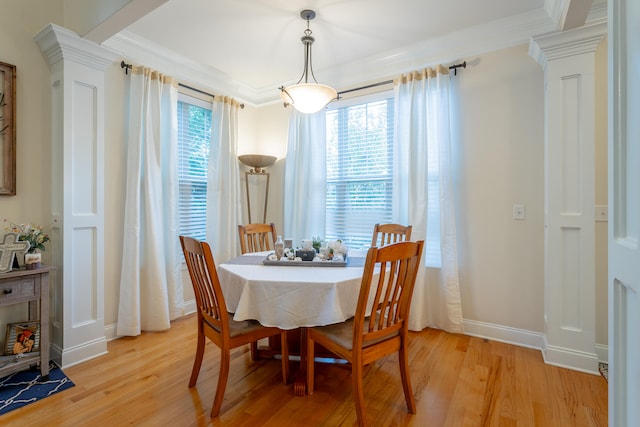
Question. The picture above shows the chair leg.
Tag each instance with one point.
(254, 351)
(197, 363)
(310, 362)
(223, 376)
(358, 392)
(285, 356)
(403, 358)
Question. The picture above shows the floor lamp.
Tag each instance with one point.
(257, 163)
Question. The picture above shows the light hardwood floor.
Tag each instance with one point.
(458, 381)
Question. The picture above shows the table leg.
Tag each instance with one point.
(300, 383)
(297, 347)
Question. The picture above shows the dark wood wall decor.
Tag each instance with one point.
(7, 129)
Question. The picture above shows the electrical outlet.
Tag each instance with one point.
(518, 212)
(601, 213)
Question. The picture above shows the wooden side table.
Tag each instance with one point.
(32, 287)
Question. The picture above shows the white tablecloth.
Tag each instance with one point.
(289, 297)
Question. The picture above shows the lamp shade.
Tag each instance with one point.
(308, 98)
(257, 161)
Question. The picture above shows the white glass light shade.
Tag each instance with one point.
(257, 161)
(308, 98)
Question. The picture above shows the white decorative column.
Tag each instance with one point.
(568, 60)
(77, 98)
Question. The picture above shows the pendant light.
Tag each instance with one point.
(305, 96)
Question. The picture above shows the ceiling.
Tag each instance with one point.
(251, 47)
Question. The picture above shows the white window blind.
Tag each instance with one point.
(359, 170)
(194, 146)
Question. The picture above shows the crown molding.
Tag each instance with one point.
(453, 47)
(598, 12)
(555, 10)
(153, 55)
(549, 47)
(58, 43)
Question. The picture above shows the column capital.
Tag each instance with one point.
(58, 43)
(549, 47)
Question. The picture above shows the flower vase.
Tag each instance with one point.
(32, 260)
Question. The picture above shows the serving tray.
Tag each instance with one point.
(267, 261)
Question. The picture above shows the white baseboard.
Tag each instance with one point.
(110, 331)
(504, 334)
(82, 353)
(570, 359)
(189, 306)
(556, 356)
(603, 353)
(552, 355)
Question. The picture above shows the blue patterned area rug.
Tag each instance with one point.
(604, 370)
(22, 388)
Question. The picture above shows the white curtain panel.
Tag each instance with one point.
(224, 193)
(150, 280)
(305, 177)
(422, 144)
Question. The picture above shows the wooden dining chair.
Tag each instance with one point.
(383, 234)
(257, 237)
(379, 327)
(215, 323)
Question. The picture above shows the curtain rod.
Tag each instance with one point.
(127, 67)
(386, 82)
(453, 67)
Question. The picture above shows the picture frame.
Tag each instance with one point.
(22, 338)
(7, 129)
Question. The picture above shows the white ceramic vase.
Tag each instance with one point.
(32, 260)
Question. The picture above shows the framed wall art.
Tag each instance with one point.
(7, 129)
(23, 337)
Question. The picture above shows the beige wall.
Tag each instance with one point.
(33, 120)
(273, 127)
(115, 177)
(33, 108)
(601, 263)
(499, 162)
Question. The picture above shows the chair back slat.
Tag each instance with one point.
(385, 234)
(206, 285)
(257, 237)
(385, 294)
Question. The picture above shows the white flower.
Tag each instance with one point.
(337, 247)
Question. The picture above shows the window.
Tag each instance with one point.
(360, 174)
(359, 169)
(194, 146)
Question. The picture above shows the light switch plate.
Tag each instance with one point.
(602, 213)
(519, 212)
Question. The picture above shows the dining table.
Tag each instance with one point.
(291, 296)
